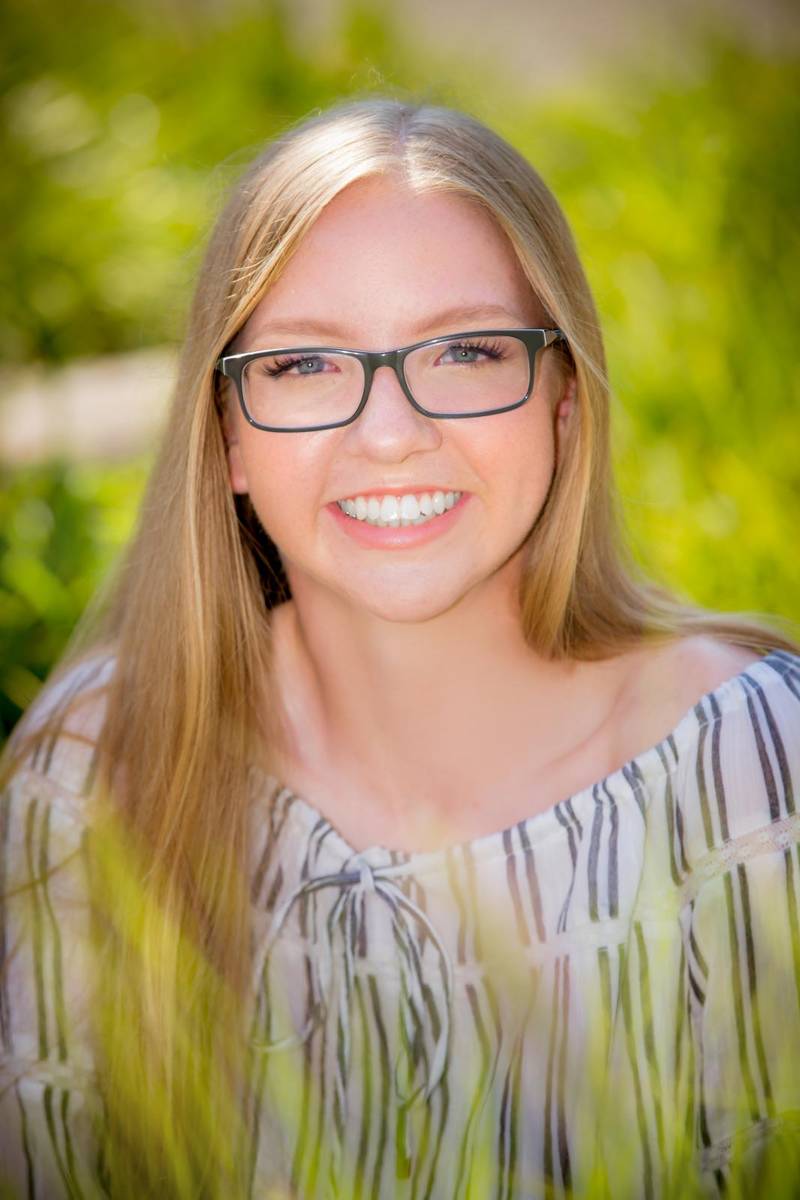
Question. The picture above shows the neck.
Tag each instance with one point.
(419, 715)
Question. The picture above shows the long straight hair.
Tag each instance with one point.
(188, 625)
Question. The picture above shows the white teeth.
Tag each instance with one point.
(399, 511)
(409, 508)
(390, 509)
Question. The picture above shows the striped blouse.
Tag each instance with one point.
(607, 991)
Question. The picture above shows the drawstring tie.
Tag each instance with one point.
(346, 919)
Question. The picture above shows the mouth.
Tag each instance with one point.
(394, 512)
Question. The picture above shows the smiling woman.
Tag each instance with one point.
(392, 825)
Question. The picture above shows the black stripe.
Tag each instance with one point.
(738, 1001)
(26, 1148)
(594, 851)
(459, 899)
(646, 1005)
(632, 773)
(786, 666)
(755, 1015)
(483, 1081)
(507, 1125)
(613, 856)
(766, 765)
(690, 1117)
(523, 932)
(680, 1009)
(669, 813)
(421, 900)
(533, 881)
(697, 953)
(441, 1097)
(311, 1074)
(705, 811)
(443, 1093)
(679, 822)
(573, 851)
(51, 1129)
(385, 1084)
(264, 859)
(366, 1095)
(716, 770)
(778, 747)
(274, 890)
(563, 1142)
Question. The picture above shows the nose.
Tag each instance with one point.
(389, 428)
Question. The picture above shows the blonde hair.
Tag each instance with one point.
(189, 619)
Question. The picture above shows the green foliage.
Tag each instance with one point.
(683, 197)
(60, 528)
(113, 126)
(121, 127)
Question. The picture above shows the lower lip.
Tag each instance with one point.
(386, 537)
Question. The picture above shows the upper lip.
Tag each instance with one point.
(408, 490)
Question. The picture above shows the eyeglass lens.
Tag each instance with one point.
(465, 375)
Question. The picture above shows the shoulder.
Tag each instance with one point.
(664, 682)
(730, 741)
(53, 753)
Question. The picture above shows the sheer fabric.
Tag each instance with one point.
(606, 995)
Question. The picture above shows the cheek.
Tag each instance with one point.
(521, 457)
(284, 479)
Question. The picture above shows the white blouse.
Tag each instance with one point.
(607, 990)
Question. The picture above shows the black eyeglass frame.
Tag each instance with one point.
(232, 367)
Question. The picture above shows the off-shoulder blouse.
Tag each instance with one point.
(604, 995)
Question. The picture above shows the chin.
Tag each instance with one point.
(409, 605)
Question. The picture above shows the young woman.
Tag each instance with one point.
(391, 837)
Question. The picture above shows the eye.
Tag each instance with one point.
(300, 364)
(469, 352)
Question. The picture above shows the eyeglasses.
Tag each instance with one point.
(303, 389)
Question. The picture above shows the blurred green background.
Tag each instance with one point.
(674, 153)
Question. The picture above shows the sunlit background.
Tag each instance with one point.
(669, 131)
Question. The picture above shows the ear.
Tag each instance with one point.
(565, 406)
(565, 409)
(233, 451)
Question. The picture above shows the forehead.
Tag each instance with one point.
(383, 259)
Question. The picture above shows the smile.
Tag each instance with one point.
(396, 511)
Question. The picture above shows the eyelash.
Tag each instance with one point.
(493, 349)
(284, 364)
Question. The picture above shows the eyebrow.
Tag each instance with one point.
(311, 327)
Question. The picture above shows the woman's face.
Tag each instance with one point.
(382, 268)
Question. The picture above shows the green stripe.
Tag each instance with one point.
(41, 1012)
(58, 978)
(630, 1041)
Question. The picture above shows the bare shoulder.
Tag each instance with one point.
(662, 683)
(699, 664)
